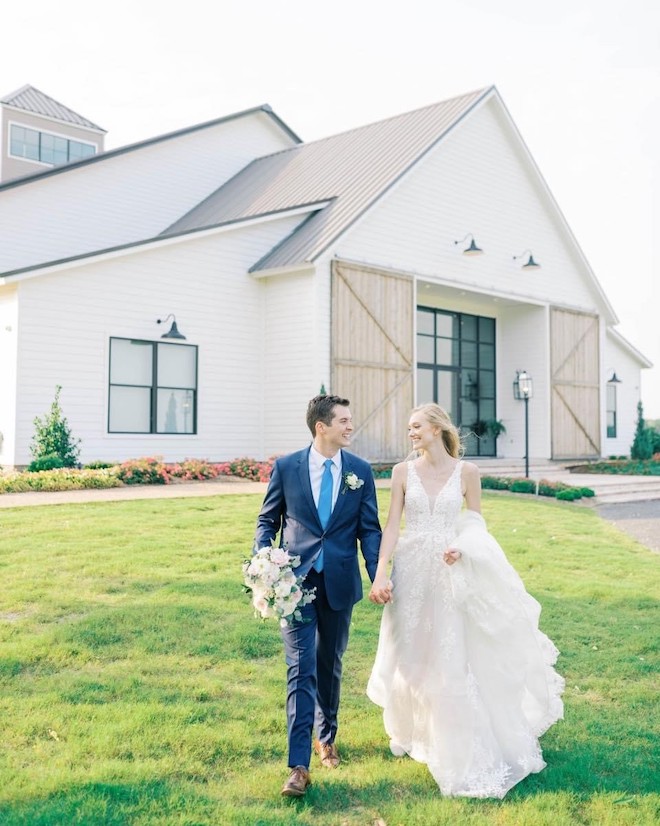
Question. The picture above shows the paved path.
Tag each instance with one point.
(638, 518)
(641, 520)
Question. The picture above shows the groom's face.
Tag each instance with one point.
(338, 433)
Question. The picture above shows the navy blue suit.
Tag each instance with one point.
(314, 648)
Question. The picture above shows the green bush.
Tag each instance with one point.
(569, 495)
(99, 465)
(53, 435)
(495, 482)
(523, 486)
(642, 446)
(50, 461)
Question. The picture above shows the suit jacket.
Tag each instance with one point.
(288, 509)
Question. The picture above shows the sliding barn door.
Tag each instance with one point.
(372, 356)
(575, 387)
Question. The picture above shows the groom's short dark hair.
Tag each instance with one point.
(320, 409)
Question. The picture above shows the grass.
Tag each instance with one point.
(137, 688)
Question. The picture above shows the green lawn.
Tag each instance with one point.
(137, 688)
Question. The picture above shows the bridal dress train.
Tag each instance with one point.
(462, 672)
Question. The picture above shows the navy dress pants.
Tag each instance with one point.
(313, 650)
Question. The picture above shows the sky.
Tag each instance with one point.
(581, 79)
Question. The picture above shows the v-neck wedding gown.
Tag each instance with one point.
(463, 674)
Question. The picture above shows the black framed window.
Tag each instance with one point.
(152, 387)
(456, 369)
(610, 411)
(47, 148)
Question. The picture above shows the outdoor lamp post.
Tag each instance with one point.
(524, 389)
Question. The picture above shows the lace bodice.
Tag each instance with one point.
(427, 515)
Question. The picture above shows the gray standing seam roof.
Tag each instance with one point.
(351, 170)
(32, 100)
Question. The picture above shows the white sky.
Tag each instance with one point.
(581, 79)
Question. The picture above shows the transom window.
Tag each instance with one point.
(46, 148)
(456, 369)
(153, 387)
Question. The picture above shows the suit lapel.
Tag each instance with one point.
(305, 484)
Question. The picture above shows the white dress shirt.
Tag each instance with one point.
(316, 468)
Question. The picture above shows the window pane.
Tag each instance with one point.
(486, 384)
(446, 325)
(425, 349)
(424, 385)
(468, 354)
(425, 322)
(487, 330)
(446, 351)
(611, 397)
(176, 413)
(79, 150)
(177, 365)
(130, 410)
(487, 356)
(469, 385)
(447, 392)
(131, 362)
(469, 327)
(53, 149)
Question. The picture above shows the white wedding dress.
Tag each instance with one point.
(464, 675)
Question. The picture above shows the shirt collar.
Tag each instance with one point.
(319, 458)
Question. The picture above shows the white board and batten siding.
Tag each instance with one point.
(204, 282)
(476, 180)
(622, 360)
(127, 197)
(8, 372)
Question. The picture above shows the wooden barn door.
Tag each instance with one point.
(574, 339)
(372, 356)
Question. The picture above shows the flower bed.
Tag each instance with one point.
(558, 490)
(631, 467)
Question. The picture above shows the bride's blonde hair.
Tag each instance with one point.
(439, 417)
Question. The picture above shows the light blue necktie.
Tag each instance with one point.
(324, 506)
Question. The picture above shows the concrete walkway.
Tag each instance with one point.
(632, 503)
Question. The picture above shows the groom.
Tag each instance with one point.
(323, 500)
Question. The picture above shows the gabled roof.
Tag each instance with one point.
(633, 352)
(32, 100)
(350, 170)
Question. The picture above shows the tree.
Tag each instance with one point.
(642, 446)
(52, 436)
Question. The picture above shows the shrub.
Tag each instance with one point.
(246, 468)
(53, 435)
(147, 471)
(523, 486)
(59, 479)
(495, 482)
(569, 495)
(48, 462)
(382, 470)
(642, 446)
(99, 465)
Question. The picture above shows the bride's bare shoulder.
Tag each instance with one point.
(470, 471)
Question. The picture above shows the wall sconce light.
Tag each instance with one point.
(614, 379)
(531, 263)
(173, 332)
(472, 249)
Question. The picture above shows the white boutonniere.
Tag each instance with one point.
(352, 482)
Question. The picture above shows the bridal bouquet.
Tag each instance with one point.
(275, 589)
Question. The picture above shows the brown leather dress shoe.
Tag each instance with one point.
(297, 783)
(328, 753)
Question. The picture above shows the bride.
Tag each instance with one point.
(462, 672)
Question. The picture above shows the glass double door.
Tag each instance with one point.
(456, 369)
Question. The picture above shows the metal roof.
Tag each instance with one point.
(32, 100)
(351, 170)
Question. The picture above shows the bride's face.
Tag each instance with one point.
(421, 432)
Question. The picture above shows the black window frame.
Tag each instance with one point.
(464, 377)
(610, 410)
(154, 387)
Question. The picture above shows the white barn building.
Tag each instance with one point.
(288, 266)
